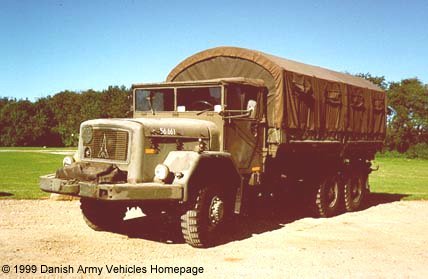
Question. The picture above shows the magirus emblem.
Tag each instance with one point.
(103, 150)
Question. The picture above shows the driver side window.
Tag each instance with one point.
(241, 97)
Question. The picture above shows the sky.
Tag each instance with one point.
(47, 46)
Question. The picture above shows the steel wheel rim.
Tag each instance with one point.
(215, 212)
(332, 193)
(356, 189)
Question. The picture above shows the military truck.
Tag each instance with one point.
(229, 123)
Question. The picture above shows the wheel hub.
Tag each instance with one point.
(356, 189)
(216, 211)
(332, 194)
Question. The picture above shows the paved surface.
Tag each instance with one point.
(388, 240)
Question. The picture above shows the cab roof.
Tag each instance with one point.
(218, 81)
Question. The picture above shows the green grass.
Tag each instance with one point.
(31, 148)
(20, 171)
(402, 176)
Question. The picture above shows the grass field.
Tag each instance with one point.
(401, 176)
(20, 169)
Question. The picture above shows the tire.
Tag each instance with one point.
(102, 215)
(328, 197)
(203, 224)
(355, 191)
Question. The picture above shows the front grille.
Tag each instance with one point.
(107, 144)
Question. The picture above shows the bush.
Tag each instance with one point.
(419, 150)
(390, 154)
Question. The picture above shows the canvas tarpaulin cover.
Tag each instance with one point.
(309, 102)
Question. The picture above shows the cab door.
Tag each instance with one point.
(244, 125)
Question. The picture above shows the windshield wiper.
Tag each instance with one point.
(205, 110)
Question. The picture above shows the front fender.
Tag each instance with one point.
(194, 170)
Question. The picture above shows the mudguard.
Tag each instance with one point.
(194, 170)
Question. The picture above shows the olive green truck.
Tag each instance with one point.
(228, 123)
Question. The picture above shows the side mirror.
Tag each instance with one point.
(251, 108)
(249, 112)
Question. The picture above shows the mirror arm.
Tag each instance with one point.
(246, 113)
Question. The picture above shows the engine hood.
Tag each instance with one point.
(165, 127)
(177, 128)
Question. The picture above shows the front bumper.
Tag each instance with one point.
(125, 191)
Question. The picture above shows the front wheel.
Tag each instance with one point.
(203, 224)
(102, 215)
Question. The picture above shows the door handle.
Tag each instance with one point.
(254, 129)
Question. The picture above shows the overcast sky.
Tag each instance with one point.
(50, 46)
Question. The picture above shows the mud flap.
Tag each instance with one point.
(238, 198)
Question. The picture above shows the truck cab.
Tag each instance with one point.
(226, 115)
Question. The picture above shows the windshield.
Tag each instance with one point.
(154, 99)
(188, 99)
(197, 99)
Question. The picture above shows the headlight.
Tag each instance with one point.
(67, 161)
(161, 172)
(87, 153)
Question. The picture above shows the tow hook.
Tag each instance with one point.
(374, 169)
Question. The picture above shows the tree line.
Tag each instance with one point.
(407, 123)
(55, 121)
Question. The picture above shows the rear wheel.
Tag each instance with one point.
(355, 191)
(203, 225)
(328, 196)
(102, 215)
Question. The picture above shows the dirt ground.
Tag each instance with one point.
(387, 240)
